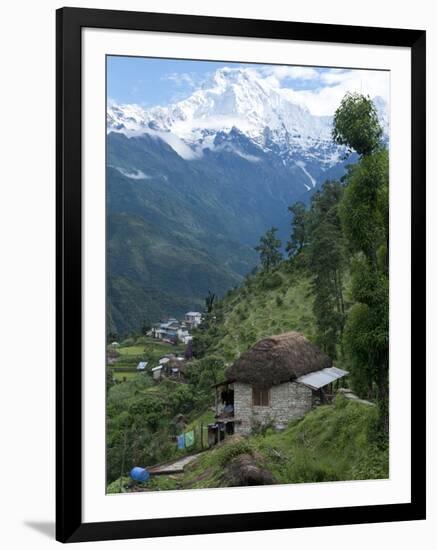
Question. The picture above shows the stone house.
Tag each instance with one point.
(278, 380)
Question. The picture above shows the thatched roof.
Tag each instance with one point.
(277, 359)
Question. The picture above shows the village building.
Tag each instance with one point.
(157, 372)
(172, 331)
(183, 335)
(170, 367)
(193, 319)
(278, 380)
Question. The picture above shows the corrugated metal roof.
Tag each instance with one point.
(320, 378)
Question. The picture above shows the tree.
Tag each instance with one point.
(299, 229)
(364, 216)
(268, 249)
(326, 261)
(209, 301)
(356, 124)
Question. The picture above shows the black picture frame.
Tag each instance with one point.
(69, 24)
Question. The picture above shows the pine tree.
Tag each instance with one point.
(326, 262)
(299, 229)
(269, 249)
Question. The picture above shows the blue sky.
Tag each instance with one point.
(153, 81)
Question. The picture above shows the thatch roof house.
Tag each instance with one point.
(278, 359)
(277, 380)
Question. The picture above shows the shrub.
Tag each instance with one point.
(372, 465)
(271, 281)
(228, 452)
(340, 401)
(304, 471)
(127, 342)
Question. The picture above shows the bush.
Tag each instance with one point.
(372, 465)
(304, 471)
(228, 452)
(127, 342)
(271, 281)
(340, 401)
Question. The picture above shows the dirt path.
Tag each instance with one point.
(176, 466)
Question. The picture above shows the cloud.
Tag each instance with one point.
(320, 90)
(282, 72)
(133, 174)
(333, 84)
(232, 149)
(182, 79)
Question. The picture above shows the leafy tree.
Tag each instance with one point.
(356, 124)
(364, 216)
(188, 353)
(299, 228)
(326, 261)
(268, 249)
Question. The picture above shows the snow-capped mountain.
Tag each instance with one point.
(235, 98)
(192, 186)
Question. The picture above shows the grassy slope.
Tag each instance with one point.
(331, 443)
(264, 305)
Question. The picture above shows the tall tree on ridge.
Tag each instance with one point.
(364, 215)
(299, 228)
(268, 248)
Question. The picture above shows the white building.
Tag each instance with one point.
(157, 372)
(193, 319)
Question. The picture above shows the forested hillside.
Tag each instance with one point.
(332, 286)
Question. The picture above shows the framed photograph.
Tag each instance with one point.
(240, 275)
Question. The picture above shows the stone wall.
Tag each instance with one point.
(287, 402)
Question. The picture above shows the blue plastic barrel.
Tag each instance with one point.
(139, 474)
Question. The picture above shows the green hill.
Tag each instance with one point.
(265, 304)
(179, 228)
(331, 443)
(335, 442)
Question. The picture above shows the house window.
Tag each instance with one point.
(260, 398)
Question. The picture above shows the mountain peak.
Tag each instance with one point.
(235, 98)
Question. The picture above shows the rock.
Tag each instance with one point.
(244, 471)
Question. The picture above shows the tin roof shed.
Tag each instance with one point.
(319, 379)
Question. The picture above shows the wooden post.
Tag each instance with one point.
(123, 457)
(201, 435)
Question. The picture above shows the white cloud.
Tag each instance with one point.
(299, 73)
(179, 146)
(275, 74)
(133, 174)
(321, 90)
(182, 79)
(325, 98)
(232, 149)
